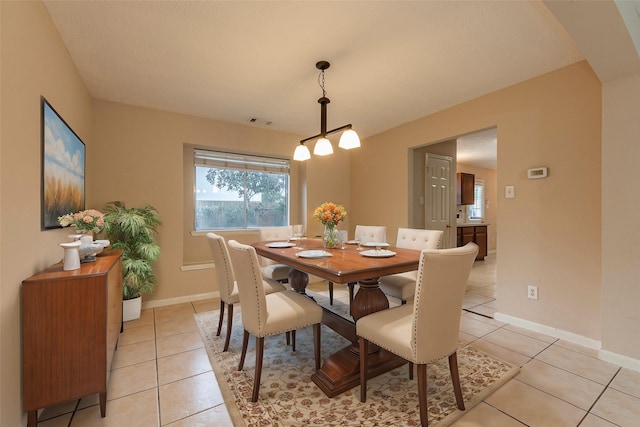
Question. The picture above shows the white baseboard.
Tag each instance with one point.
(549, 330)
(179, 300)
(619, 359)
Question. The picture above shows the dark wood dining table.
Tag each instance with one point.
(341, 371)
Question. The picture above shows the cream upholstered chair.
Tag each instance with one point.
(365, 233)
(428, 329)
(403, 285)
(371, 233)
(270, 269)
(226, 281)
(265, 315)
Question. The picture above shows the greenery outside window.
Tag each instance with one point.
(234, 191)
(476, 211)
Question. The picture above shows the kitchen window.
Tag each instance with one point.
(476, 211)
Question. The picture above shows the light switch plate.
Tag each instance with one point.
(509, 192)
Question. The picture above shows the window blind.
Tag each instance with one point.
(477, 209)
(220, 159)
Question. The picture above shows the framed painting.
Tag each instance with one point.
(63, 168)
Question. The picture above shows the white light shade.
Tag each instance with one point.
(302, 153)
(349, 140)
(323, 147)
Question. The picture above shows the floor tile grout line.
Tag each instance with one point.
(155, 340)
(551, 395)
(606, 387)
(508, 415)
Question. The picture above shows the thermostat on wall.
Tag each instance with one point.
(535, 173)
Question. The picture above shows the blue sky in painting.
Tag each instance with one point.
(63, 151)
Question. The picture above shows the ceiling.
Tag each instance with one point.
(391, 61)
(479, 149)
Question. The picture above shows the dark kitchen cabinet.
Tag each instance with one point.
(476, 234)
(466, 184)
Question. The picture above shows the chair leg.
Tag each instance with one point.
(455, 378)
(293, 340)
(422, 393)
(258, 374)
(364, 351)
(288, 335)
(330, 293)
(229, 324)
(316, 344)
(404, 301)
(222, 304)
(351, 285)
(245, 343)
(410, 370)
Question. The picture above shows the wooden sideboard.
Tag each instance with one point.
(71, 321)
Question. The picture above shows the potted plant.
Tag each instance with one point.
(133, 231)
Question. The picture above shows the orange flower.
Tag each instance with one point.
(330, 213)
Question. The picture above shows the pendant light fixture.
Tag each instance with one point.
(323, 147)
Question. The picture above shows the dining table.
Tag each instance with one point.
(347, 264)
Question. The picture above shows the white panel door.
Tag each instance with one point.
(437, 206)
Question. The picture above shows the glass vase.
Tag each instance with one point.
(331, 237)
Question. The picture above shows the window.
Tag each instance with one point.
(476, 211)
(240, 191)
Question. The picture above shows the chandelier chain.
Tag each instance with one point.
(321, 83)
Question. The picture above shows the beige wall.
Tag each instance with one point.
(549, 235)
(34, 63)
(550, 232)
(620, 207)
(490, 177)
(141, 160)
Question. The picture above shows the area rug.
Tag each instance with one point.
(288, 397)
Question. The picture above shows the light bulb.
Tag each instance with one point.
(323, 147)
(302, 153)
(349, 140)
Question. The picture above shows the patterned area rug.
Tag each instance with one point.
(288, 397)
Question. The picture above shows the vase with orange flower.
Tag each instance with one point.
(330, 214)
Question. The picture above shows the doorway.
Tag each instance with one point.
(438, 196)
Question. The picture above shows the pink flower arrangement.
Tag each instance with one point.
(90, 219)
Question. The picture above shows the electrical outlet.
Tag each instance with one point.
(532, 292)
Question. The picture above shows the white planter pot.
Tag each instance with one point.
(131, 309)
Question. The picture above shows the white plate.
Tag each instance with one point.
(313, 254)
(382, 253)
(351, 242)
(280, 245)
(375, 244)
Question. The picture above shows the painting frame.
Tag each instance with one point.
(63, 168)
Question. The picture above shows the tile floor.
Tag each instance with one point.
(161, 375)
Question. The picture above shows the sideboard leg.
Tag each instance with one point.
(32, 418)
(103, 404)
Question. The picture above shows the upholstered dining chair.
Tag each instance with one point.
(271, 269)
(371, 233)
(229, 294)
(403, 285)
(364, 233)
(265, 315)
(428, 329)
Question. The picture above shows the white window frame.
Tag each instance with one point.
(477, 210)
(240, 162)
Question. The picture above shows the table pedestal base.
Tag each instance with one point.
(341, 371)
